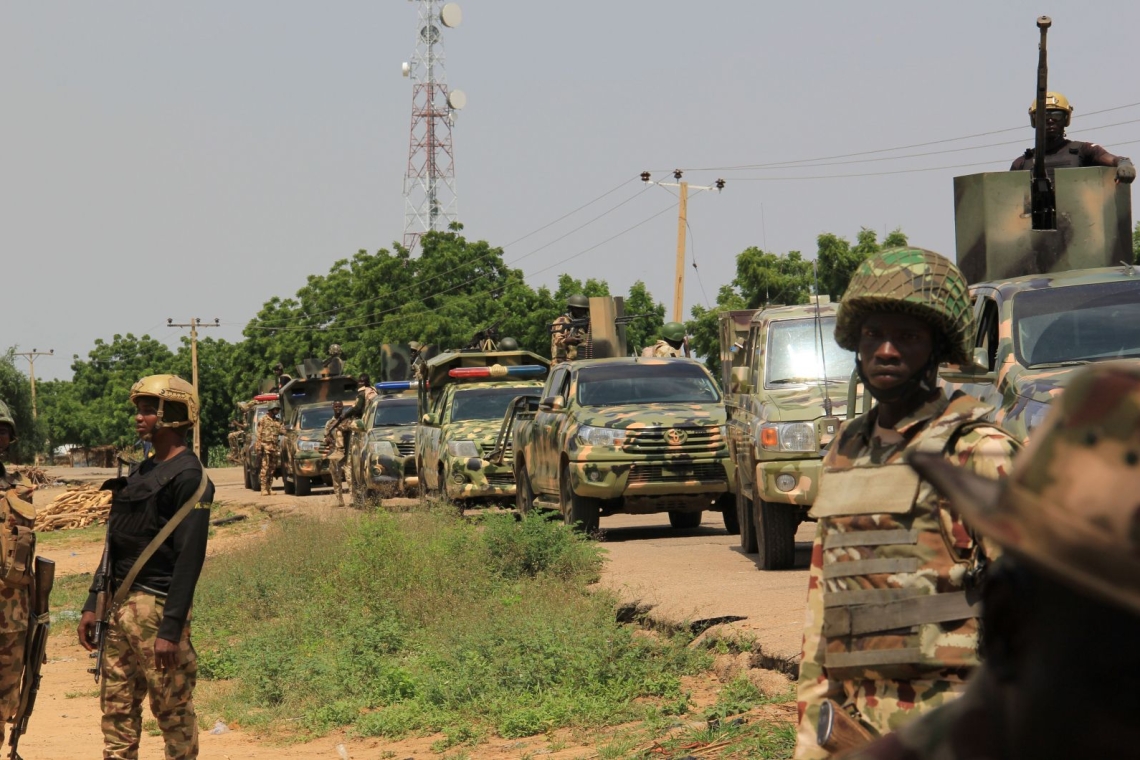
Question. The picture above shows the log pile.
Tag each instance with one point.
(77, 507)
(35, 475)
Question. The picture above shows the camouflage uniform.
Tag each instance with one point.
(269, 432)
(559, 332)
(662, 350)
(15, 603)
(335, 432)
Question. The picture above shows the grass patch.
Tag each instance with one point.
(92, 534)
(68, 595)
(424, 623)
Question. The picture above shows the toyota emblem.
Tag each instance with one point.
(675, 437)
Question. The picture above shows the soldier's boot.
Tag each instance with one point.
(265, 491)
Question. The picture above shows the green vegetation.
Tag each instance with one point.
(425, 623)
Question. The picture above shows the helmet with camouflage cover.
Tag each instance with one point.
(508, 344)
(1069, 505)
(177, 399)
(6, 419)
(335, 350)
(1054, 101)
(673, 332)
(911, 281)
(577, 301)
(274, 406)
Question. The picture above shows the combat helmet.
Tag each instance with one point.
(169, 389)
(911, 281)
(274, 406)
(6, 418)
(673, 332)
(508, 344)
(1054, 101)
(578, 301)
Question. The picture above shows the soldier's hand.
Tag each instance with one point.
(165, 654)
(1125, 173)
(86, 631)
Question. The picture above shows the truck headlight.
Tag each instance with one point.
(464, 449)
(788, 436)
(382, 449)
(308, 445)
(600, 436)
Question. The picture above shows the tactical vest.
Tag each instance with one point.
(895, 602)
(17, 537)
(1068, 157)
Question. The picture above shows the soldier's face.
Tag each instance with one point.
(892, 348)
(337, 408)
(1055, 123)
(146, 417)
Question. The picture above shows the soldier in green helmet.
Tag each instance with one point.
(671, 344)
(570, 331)
(892, 627)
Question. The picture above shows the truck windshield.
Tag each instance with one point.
(794, 356)
(395, 412)
(1077, 323)
(621, 384)
(485, 403)
(315, 417)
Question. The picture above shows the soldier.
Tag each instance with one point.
(283, 378)
(672, 343)
(335, 430)
(148, 650)
(236, 436)
(334, 364)
(565, 338)
(1061, 152)
(365, 392)
(19, 518)
(891, 629)
(269, 432)
(1061, 608)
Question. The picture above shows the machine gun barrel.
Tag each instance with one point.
(1043, 198)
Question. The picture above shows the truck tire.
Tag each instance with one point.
(524, 495)
(579, 512)
(248, 479)
(747, 521)
(726, 505)
(685, 520)
(775, 534)
(302, 485)
(290, 486)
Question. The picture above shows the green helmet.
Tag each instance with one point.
(674, 331)
(7, 419)
(577, 301)
(274, 406)
(910, 281)
(508, 344)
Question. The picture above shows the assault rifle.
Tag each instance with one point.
(104, 592)
(35, 652)
(837, 731)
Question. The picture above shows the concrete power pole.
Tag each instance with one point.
(682, 228)
(194, 324)
(31, 357)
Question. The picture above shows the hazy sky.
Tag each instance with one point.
(195, 159)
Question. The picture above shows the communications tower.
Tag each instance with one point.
(429, 184)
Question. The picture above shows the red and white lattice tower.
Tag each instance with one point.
(429, 184)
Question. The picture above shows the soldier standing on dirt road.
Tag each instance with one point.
(564, 339)
(885, 549)
(1061, 608)
(269, 432)
(335, 430)
(19, 517)
(148, 650)
(1061, 152)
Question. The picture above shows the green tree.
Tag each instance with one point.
(16, 391)
(1136, 244)
(644, 331)
(838, 259)
(704, 327)
(768, 278)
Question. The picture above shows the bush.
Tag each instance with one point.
(422, 622)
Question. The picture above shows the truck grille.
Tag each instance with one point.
(500, 478)
(655, 473)
(697, 440)
(406, 448)
(487, 448)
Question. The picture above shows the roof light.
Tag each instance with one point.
(397, 385)
(498, 370)
(265, 397)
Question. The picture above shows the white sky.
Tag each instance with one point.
(178, 160)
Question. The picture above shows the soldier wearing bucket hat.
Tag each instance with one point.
(891, 626)
(1062, 606)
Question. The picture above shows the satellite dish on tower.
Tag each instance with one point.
(451, 15)
(430, 34)
(406, 68)
(457, 100)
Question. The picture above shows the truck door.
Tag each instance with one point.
(545, 433)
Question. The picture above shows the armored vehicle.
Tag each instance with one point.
(250, 455)
(789, 379)
(462, 399)
(382, 453)
(307, 406)
(633, 435)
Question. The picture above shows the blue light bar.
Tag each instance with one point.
(397, 385)
(527, 370)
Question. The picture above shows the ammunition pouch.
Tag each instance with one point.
(17, 540)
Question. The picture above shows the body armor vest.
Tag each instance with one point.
(895, 596)
(17, 535)
(1068, 157)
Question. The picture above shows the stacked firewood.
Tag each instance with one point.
(37, 476)
(77, 507)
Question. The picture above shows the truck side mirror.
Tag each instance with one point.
(428, 419)
(552, 404)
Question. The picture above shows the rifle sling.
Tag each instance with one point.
(182, 513)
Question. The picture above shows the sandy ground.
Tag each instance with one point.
(685, 576)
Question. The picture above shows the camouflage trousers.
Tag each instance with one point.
(884, 705)
(12, 647)
(129, 674)
(340, 474)
(270, 458)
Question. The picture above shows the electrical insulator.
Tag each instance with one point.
(677, 174)
(719, 184)
(645, 176)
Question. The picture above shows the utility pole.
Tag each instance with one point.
(31, 357)
(194, 324)
(682, 228)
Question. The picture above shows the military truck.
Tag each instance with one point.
(629, 434)
(253, 411)
(382, 453)
(462, 398)
(306, 407)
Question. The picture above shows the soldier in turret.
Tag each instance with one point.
(892, 626)
(671, 344)
(1063, 153)
(565, 336)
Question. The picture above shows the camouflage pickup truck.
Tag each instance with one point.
(633, 435)
(307, 406)
(252, 412)
(462, 400)
(788, 380)
(382, 453)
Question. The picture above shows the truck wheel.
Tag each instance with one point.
(685, 520)
(775, 534)
(290, 486)
(248, 479)
(302, 485)
(579, 512)
(747, 521)
(726, 505)
(524, 496)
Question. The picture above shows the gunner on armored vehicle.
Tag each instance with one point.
(1063, 153)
